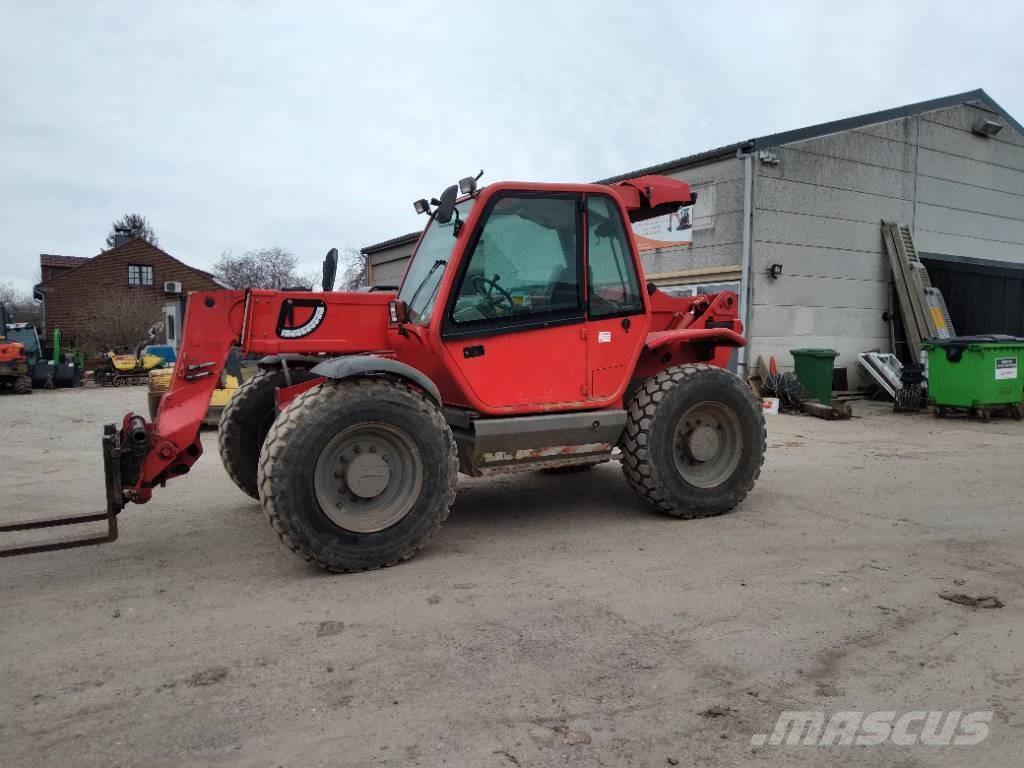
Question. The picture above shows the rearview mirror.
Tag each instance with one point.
(398, 311)
(446, 205)
(330, 270)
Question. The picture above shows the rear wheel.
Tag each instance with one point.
(23, 385)
(694, 442)
(358, 474)
(245, 422)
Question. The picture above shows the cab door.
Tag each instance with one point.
(617, 323)
(513, 325)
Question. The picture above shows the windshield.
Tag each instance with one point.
(419, 289)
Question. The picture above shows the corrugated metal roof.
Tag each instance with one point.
(978, 97)
(410, 237)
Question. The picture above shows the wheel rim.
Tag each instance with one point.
(368, 477)
(708, 444)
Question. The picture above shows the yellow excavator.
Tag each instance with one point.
(124, 370)
(231, 379)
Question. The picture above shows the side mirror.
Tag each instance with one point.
(446, 205)
(330, 270)
(398, 311)
(651, 289)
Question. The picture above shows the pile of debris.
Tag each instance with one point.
(769, 382)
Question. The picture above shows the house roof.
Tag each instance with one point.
(56, 260)
(410, 237)
(131, 245)
(977, 98)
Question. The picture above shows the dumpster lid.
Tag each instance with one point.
(814, 352)
(966, 341)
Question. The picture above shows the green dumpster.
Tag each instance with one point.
(814, 370)
(976, 372)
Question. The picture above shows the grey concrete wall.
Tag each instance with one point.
(818, 213)
(718, 245)
(387, 267)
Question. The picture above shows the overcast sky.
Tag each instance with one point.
(308, 125)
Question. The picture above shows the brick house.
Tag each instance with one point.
(76, 291)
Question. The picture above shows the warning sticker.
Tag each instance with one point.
(1006, 368)
(604, 337)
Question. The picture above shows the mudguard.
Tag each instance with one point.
(292, 359)
(357, 365)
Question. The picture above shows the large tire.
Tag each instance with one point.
(345, 516)
(245, 422)
(23, 386)
(694, 442)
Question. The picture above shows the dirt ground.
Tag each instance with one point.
(554, 621)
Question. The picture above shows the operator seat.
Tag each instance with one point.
(564, 287)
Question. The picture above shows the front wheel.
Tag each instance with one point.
(694, 441)
(358, 474)
(246, 421)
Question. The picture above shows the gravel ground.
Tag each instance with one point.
(553, 621)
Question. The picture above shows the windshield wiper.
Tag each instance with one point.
(438, 263)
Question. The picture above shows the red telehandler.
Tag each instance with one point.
(522, 337)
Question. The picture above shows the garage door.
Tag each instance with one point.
(983, 297)
(389, 273)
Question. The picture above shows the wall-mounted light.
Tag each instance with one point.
(775, 270)
(768, 157)
(986, 128)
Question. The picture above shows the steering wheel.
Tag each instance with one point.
(487, 286)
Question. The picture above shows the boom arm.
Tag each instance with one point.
(261, 322)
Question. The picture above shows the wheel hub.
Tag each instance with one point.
(708, 444)
(367, 475)
(704, 443)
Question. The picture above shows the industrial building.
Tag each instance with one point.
(791, 221)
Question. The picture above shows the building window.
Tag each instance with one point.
(140, 274)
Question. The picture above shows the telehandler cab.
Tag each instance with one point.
(522, 337)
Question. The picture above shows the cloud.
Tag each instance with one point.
(311, 125)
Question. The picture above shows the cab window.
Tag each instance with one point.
(612, 281)
(524, 265)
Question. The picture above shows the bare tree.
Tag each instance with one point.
(135, 226)
(262, 268)
(21, 307)
(116, 321)
(353, 272)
